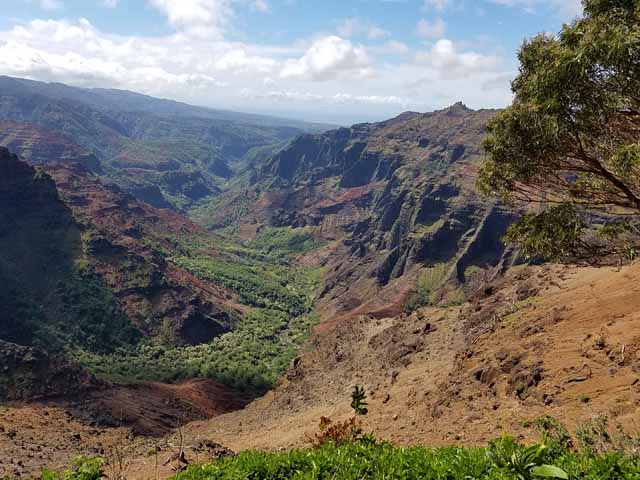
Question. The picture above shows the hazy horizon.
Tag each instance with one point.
(335, 62)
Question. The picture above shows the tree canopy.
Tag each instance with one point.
(571, 138)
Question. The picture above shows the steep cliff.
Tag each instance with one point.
(95, 277)
(398, 198)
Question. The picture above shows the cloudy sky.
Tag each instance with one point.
(328, 60)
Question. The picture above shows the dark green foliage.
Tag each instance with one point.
(556, 436)
(50, 298)
(284, 242)
(264, 340)
(554, 233)
(359, 401)
(83, 469)
(363, 457)
(571, 135)
(523, 463)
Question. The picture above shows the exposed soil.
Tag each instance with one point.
(531, 345)
(126, 422)
(550, 340)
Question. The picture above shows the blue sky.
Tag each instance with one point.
(330, 60)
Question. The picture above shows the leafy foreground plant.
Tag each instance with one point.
(359, 461)
(524, 463)
(83, 469)
(348, 431)
(504, 459)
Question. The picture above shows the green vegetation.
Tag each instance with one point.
(503, 460)
(603, 456)
(83, 469)
(262, 343)
(342, 452)
(429, 281)
(570, 139)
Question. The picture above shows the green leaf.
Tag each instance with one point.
(549, 471)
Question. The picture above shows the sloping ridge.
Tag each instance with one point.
(393, 198)
(84, 265)
(551, 340)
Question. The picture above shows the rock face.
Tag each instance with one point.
(127, 243)
(28, 373)
(398, 195)
(41, 145)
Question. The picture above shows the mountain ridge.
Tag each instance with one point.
(395, 197)
(168, 153)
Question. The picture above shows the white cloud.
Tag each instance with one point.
(352, 26)
(238, 61)
(348, 27)
(435, 29)
(392, 47)
(448, 61)
(201, 18)
(439, 5)
(303, 77)
(376, 32)
(338, 98)
(78, 53)
(261, 6)
(110, 3)
(328, 58)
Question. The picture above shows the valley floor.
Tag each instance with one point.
(549, 340)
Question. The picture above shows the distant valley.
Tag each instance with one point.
(168, 264)
(169, 154)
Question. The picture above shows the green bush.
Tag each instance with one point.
(83, 469)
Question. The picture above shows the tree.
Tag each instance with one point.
(571, 139)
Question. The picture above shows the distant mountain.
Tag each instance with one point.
(167, 153)
(399, 199)
(127, 101)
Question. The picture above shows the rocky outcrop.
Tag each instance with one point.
(86, 263)
(127, 243)
(400, 197)
(41, 145)
(28, 373)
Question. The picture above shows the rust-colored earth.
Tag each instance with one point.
(550, 340)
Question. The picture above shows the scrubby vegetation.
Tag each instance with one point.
(264, 340)
(342, 451)
(429, 281)
(82, 469)
(601, 456)
(504, 459)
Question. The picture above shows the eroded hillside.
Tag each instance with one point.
(166, 153)
(396, 200)
(543, 341)
(101, 280)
